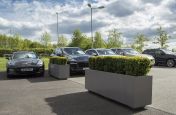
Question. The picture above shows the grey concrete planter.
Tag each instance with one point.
(59, 71)
(132, 91)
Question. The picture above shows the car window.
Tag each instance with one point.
(24, 55)
(131, 51)
(105, 52)
(114, 50)
(91, 52)
(73, 51)
(119, 51)
(149, 52)
(159, 52)
(58, 51)
(88, 52)
(167, 51)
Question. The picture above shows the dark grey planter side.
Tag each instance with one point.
(59, 71)
(132, 91)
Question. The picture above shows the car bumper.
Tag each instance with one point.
(18, 71)
(78, 66)
(152, 62)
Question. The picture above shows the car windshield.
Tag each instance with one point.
(131, 51)
(73, 51)
(105, 52)
(25, 55)
(167, 51)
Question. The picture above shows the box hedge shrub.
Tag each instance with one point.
(135, 66)
(58, 60)
(39, 51)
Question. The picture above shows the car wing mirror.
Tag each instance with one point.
(59, 54)
(94, 54)
(7, 58)
(122, 53)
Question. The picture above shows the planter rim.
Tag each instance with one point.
(59, 64)
(121, 74)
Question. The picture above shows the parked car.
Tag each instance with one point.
(132, 52)
(162, 56)
(77, 59)
(100, 52)
(25, 63)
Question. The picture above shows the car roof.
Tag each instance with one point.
(67, 47)
(24, 52)
(99, 49)
(154, 49)
(121, 48)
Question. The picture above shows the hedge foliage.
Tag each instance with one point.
(58, 60)
(39, 51)
(135, 66)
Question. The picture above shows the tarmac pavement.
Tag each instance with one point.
(49, 96)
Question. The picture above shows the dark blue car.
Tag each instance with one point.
(77, 59)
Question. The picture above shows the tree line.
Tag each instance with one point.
(79, 39)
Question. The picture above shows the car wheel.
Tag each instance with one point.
(170, 63)
(42, 74)
(9, 76)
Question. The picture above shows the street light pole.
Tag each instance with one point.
(92, 30)
(57, 25)
(91, 8)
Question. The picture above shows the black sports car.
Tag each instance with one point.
(77, 59)
(24, 63)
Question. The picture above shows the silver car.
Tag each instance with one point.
(132, 52)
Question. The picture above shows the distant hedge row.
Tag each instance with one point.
(136, 66)
(39, 51)
(58, 60)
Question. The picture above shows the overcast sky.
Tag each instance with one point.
(31, 18)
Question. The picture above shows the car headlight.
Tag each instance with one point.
(72, 60)
(40, 63)
(11, 63)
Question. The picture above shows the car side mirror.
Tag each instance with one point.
(94, 54)
(59, 54)
(122, 53)
(8, 58)
(162, 53)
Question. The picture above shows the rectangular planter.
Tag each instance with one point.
(132, 91)
(59, 71)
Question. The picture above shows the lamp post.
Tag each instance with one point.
(91, 8)
(57, 25)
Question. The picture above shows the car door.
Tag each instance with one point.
(160, 56)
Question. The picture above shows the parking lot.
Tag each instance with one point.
(49, 96)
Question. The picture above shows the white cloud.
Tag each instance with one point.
(130, 17)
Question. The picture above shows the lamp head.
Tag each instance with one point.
(89, 5)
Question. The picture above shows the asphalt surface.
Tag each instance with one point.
(49, 96)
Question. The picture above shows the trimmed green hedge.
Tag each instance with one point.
(39, 51)
(58, 60)
(135, 66)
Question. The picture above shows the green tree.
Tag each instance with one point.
(77, 38)
(46, 39)
(162, 37)
(62, 41)
(86, 43)
(139, 42)
(114, 39)
(98, 41)
(80, 40)
(17, 41)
